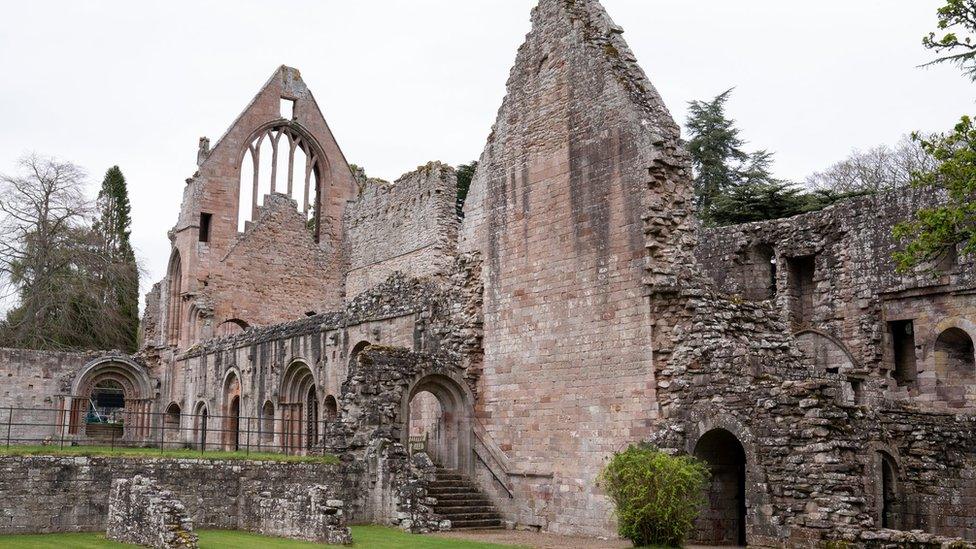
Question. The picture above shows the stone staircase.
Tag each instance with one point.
(460, 502)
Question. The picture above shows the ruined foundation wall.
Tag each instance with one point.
(408, 226)
(60, 494)
(557, 211)
(852, 292)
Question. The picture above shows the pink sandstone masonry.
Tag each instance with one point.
(577, 308)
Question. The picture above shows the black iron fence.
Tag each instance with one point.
(290, 431)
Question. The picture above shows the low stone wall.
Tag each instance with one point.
(141, 513)
(301, 512)
(43, 494)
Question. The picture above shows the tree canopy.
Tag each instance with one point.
(934, 233)
(68, 276)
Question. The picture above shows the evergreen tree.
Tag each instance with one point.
(715, 149)
(120, 280)
(465, 172)
(727, 178)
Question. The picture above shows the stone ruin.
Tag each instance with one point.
(576, 307)
(142, 513)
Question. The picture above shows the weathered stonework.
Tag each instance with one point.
(409, 226)
(61, 494)
(141, 513)
(302, 512)
(576, 309)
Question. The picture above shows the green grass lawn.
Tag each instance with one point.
(366, 537)
(175, 453)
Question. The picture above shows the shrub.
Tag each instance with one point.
(658, 496)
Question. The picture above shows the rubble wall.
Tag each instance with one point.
(408, 226)
(44, 494)
(856, 293)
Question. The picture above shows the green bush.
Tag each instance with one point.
(658, 496)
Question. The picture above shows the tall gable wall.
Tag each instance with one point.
(558, 211)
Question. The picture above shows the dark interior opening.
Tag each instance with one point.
(903, 341)
(205, 227)
(802, 287)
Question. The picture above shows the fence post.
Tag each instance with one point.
(162, 434)
(61, 428)
(247, 441)
(10, 419)
(113, 440)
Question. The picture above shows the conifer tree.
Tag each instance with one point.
(120, 280)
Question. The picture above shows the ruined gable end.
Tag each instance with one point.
(582, 149)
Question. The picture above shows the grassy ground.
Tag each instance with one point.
(175, 453)
(366, 537)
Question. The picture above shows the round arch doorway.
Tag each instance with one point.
(437, 410)
(723, 520)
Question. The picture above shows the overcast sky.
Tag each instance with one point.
(403, 82)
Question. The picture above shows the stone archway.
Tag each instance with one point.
(955, 366)
(114, 394)
(723, 520)
(298, 402)
(231, 420)
(448, 441)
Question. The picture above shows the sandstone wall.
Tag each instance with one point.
(408, 226)
(187, 304)
(60, 494)
(559, 211)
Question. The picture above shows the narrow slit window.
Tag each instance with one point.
(205, 227)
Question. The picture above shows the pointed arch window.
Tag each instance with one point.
(281, 159)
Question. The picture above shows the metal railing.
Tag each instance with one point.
(289, 432)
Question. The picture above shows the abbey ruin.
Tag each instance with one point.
(576, 307)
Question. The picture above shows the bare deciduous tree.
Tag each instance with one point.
(50, 260)
(881, 168)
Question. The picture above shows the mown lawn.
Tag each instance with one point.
(175, 453)
(366, 537)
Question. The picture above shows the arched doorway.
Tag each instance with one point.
(331, 408)
(889, 508)
(201, 422)
(171, 423)
(723, 520)
(110, 399)
(955, 366)
(298, 402)
(267, 424)
(231, 435)
(443, 409)
(425, 425)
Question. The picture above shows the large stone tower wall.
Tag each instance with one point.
(557, 210)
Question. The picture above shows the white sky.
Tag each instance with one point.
(403, 82)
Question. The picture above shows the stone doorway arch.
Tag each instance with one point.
(723, 520)
(299, 405)
(113, 392)
(231, 421)
(449, 443)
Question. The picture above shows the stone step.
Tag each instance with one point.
(472, 516)
(451, 484)
(465, 501)
(480, 524)
(451, 490)
(457, 509)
